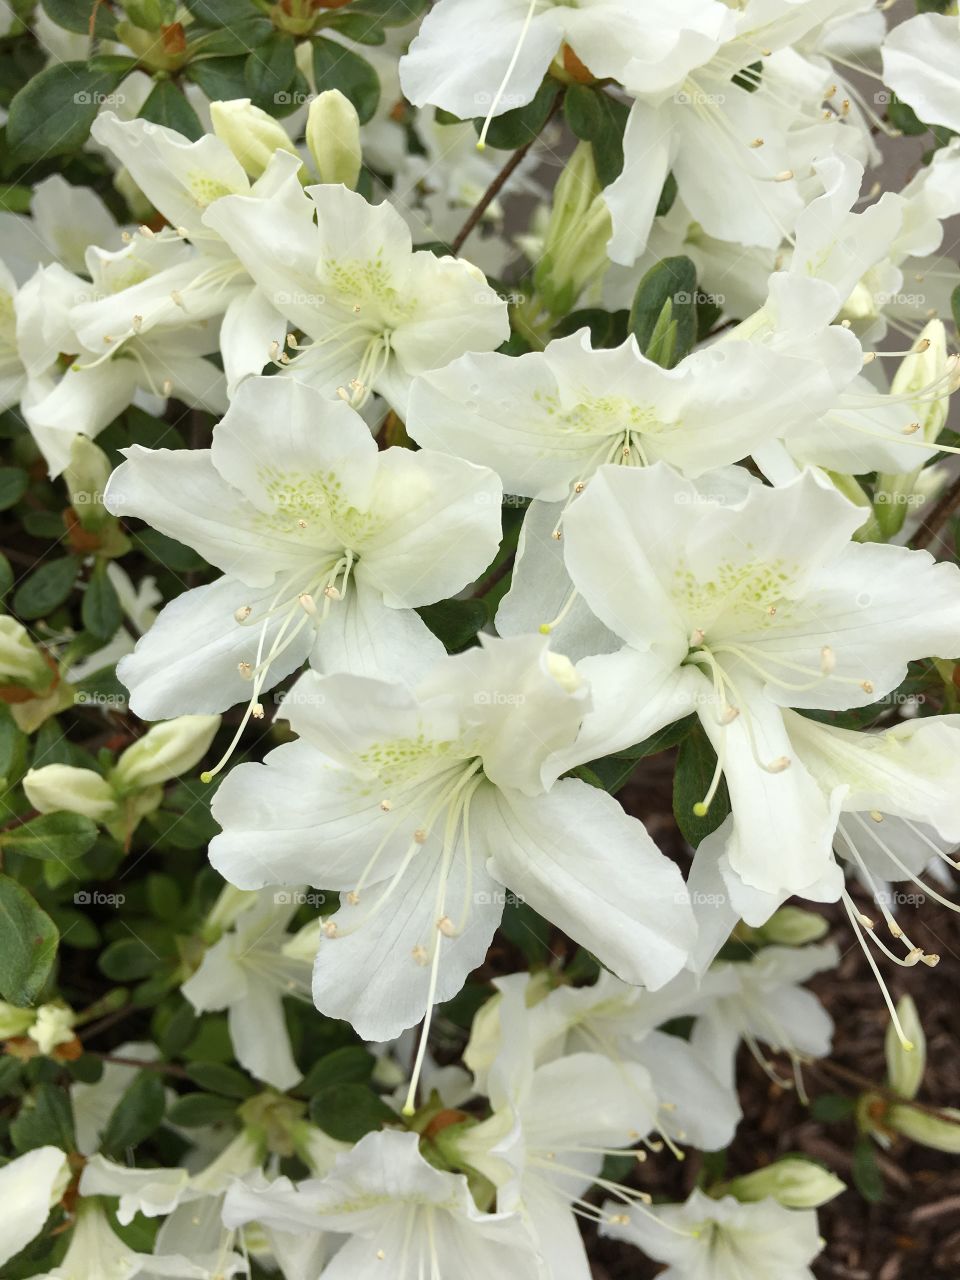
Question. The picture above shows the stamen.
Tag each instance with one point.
(482, 140)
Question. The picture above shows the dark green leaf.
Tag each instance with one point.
(28, 944)
(221, 13)
(335, 67)
(904, 118)
(128, 958)
(595, 117)
(6, 575)
(455, 622)
(829, 1108)
(665, 304)
(221, 79)
(226, 42)
(13, 749)
(167, 105)
(349, 1065)
(195, 1110)
(167, 551)
(696, 761)
(866, 1171)
(607, 328)
(348, 1111)
(269, 71)
(522, 926)
(955, 307)
(45, 1119)
(53, 112)
(13, 485)
(357, 26)
(138, 1113)
(667, 196)
(46, 587)
(518, 127)
(75, 15)
(60, 836)
(100, 609)
(217, 1077)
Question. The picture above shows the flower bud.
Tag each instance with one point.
(793, 927)
(905, 1067)
(14, 1021)
(150, 15)
(925, 366)
(59, 788)
(165, 751)
(21, 662)
(333, 138)
(86, 476)
(53, 1026)
(252, 135)
(943, 1134)
(793, 1182)
(575, 244)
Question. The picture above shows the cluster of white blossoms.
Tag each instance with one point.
(687, 398)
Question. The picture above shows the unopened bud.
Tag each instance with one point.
(794, 927)
(942, 1132)
(165, 751)
(86, 476)
(793, 1182)
(905, 1067)
(333, 138)
(252, 135)
(65, 788)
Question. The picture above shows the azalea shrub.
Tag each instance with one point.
(435, 434)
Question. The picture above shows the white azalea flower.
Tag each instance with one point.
(706, 1239)
(182, 179)
(419, 806)
(402, 1217)
(921, 64)
(248, 972)
(736, 612)
(767, 1006)
(375, 312)
(107, 371)
(513, 42)
(326, 545)
(30, 1186)
(546, 420)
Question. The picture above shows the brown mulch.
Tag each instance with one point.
(913, 1232)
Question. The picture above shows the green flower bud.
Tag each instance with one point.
(164, 752)
(86, 476)
(58, 788)
(793, 1182)
(943, 1134)
(150, 15)
(575, 243)
(905, 1067)
(793, 927)
(333, 138)
(21, 662)
(15, 1021)
(252, 135)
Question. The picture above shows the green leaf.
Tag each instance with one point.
(163, 896)
(905, 118)
(955, 307)
(830, 1108)
(221, 13)
(217, 1077)
(45, 588)
(607, 328)
(14, 744)
(226, 42)
(75, 15)
(664, 317)
(348, 1065)
(518, 127)
(455, 622)
(100, 609)
(45, 1119)
(167, 551)
(137, 1115)
(866, 1171)
(528, 931)
(167, 105)
(269, 71)
(28, 944)
(60, 836)
(128, 958)
(389, 13)
(6, 575)
(357, 26)
(348, 1111)
(13, 485)
(335, 67)
(53, 112)
(595, 117)
(221, 79)
(195, 1110)
(15, 199)
(696, 761)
